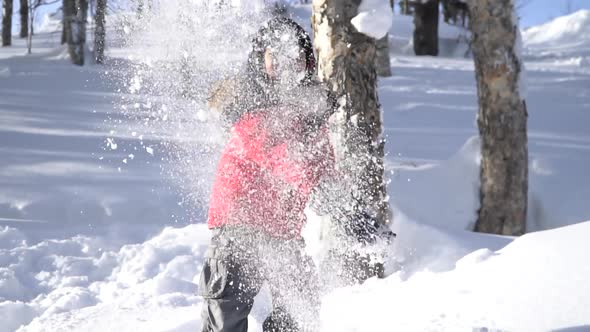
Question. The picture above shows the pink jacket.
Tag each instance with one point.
(265, 181)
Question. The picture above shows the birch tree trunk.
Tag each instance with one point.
(76, 33)
(346, 61)
(502, 118)
(100, 31)
(7, 23)
(24, 18)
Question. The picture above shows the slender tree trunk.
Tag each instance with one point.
(346, 61)
(100, 31)
(82, 18)
(7, 23)
(382, 61)
(68, 9)
(502, 119)
(24, 18)
(426, 27)
(76, 12)
(30, 30)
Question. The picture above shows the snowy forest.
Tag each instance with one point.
(294, 165)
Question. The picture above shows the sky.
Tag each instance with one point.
(534, 12)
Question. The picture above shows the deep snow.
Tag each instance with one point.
(92, 236)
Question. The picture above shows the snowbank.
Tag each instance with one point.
(569, 29)
(63, 276)
(451, 187)
(561, 44)
(535, 283)
(518, 288)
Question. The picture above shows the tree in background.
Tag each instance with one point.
(455, 12)
(100, 31)
(426, 14)
(346, 60)
(24, 18)
(7, 23)
(502, 118)
(382, 61)
(32, 6)
(75, 16)
(67, 6)
(405, 7)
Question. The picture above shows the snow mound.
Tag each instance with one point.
(561, 44)
(61, 277)
(374, 18)
(570, 29)
(452, 187)
(521, 291)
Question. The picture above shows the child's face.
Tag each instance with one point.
(285, 67)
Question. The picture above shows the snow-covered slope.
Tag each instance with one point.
(521, 287)
(88, 232)
(536, 283)
(573, 29)
(563, 42)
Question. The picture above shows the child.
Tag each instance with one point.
(277, 152)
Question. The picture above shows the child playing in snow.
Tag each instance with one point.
(277, 152)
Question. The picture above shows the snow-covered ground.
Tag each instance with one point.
(95, 236)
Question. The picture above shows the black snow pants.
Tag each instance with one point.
(237, 263)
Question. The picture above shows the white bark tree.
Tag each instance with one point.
(346, 60)
(502, 118)
(75, 16)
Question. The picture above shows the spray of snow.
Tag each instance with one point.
(181, 66)
(173, 56)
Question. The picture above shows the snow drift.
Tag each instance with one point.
(563, 42)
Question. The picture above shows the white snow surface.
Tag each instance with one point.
(94, 236)
(563, 42)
